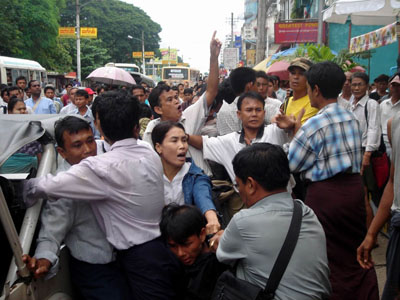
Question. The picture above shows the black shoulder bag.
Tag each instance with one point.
(228, 287)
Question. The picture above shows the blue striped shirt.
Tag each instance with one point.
(327, 144)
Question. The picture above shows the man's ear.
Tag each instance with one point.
(239, 114)
(203, 234)
(61, 151)
(158, 110)
(251, 185)
(248, 87)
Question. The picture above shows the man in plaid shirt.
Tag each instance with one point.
(327, 152)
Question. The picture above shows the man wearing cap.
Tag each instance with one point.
(298, 84)
(389, 108)
(91, 95)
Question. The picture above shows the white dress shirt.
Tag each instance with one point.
(388, 110)
(173, 190)
(227, 120)
(370, 138)
(222, 149)
(124, 187)
(67, 110)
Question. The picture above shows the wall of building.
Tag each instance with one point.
(382, 60)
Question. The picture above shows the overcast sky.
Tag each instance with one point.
(188, 25)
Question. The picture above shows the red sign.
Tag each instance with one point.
(299, 32)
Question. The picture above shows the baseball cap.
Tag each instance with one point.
(300, 62)
(396, 79)
(89, 90)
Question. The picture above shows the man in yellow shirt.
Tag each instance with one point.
(298, 84)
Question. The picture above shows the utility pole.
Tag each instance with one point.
(78, 42)
(320, 22)
(232, 38)
(144, 64)
(263, 7)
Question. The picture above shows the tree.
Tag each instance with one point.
(115, 20)
(30, 29)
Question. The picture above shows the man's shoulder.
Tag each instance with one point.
(152, 124)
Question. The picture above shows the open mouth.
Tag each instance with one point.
(182, 156)
(179, 107)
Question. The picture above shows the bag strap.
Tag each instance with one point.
(286, 252)
(382, 146)
(366, 112)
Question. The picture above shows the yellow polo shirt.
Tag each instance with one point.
(294, 107)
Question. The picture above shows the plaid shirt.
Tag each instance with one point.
(327, 144)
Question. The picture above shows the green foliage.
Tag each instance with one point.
(115, 20)
(30, 29)
(320, 53)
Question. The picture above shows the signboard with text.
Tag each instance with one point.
(89, 32)
(231, 58)
(66, 32)
(297, 32)
(169, 54)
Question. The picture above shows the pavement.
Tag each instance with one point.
(379, 257)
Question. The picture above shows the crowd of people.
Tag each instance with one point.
(163, 189)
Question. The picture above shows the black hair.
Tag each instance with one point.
(49, 88)
(239, 77)
(13, 101)
(161, 83)
(274, 78)
(180, 84)
(382, 78)
(225, 92)
(72, 124)
(188, 91)
(251, 95)
(101, 87)
(174, 88)
(138, 87)
(160, 131)
(20, 78)
(69, 83)
(32, 81)
(262, 74)
(154, 97)
(145, 111)
(362, 76)
(4, 91)
(82, 93)
(118, 113)
(14, 88)
(265, 163)
(329, 78)
(179, 222)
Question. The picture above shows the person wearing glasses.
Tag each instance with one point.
(39, 105)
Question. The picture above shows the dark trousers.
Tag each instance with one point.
(392, 286)
(98, 281)
(151, 269)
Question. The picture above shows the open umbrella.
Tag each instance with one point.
(112, 76)
(362, 12)
(279, 68)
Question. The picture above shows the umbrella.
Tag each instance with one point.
(362, 12)
(112, 76)
(262, 66)
(279, 68)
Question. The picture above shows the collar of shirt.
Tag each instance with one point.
(259, 135)
(88, 112)
(278, 198)
(326, 107)
(123, 143)
(360, 102)
(389, 102)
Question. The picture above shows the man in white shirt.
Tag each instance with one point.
(242, 80)
(271, 105)
(125, 190)
(389, 108)
(68, 109)
(193, 118)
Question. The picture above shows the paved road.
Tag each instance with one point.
(379, 256)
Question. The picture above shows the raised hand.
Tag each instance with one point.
(215, 46)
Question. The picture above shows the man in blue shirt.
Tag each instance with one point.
(39, 105)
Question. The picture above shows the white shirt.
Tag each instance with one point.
(193, 119)
(271, 109)
(173, 190)
(124, 187)
(370, 138)
(67, 110)
(388, 110)
(222, 149)
(344, 102)
(227, 120)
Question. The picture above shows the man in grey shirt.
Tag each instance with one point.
(92, 262)
(255, 235)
